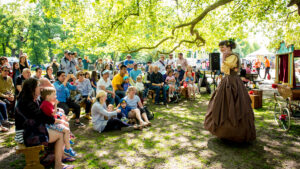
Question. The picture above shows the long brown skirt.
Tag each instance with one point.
(229, 114)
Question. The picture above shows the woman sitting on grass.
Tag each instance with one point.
(134, 102)
(103, 119)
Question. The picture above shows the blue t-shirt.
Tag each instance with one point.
(125, 110)
(128, 62)
(134, 74)
(125, 86)
(132, 103)
(85, 64)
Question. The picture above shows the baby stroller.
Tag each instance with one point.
(201, 79)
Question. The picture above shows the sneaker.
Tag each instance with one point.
(8, 123)
(70, 152)
(79, 124)
(88, 116)
(129, 128)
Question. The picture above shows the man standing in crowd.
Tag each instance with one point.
(21, 78)
(68, 63)
(157, 84)
(63, 88)
(129, 63)
(118, 80)
(55, 66)
(182, 61)
(135, 72)
(267, 67)
(38, 73)
(257, 66)
(171, 61)
(161, 64)
(7, 90)
(85, 62)
(99, 65)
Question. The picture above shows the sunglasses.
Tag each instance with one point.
(5, 70)
(81, 74)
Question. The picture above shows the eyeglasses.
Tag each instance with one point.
(81, 74)
(5, 70)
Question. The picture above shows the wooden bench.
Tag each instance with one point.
(152, 95)
(32, 156)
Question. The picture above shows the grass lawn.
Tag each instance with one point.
(177, 139)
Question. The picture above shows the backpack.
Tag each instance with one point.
(150, 115)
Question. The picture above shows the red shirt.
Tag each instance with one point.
(47, 108)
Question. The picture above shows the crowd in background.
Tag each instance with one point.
(113, 96)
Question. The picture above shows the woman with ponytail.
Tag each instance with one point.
(230, 116)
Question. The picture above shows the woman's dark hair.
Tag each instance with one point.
(37, 69)
(28, 89)
(229, 43)
(168, 66)
(15, 70)
(48, 68)
(87, 73)
(94, 75)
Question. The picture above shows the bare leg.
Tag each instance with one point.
(67, 138)
(144, 115)
(57, 137)
(138, 116)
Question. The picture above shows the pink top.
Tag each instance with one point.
(248, 71)
(170, 78)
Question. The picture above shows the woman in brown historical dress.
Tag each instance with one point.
(229, 115)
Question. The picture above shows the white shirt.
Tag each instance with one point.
(162, 67)
(171, 62)
(102, 82)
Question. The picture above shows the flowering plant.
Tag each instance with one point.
(274, 85)
(282, 117)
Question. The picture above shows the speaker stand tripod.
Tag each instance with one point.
(213, 76)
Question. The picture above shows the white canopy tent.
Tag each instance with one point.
(260, 52)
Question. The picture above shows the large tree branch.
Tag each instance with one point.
(178, 45)
(198, 40)
(202, 15)
(153, 47)
(295, 2)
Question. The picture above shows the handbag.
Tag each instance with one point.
(34, 134)
(150, 115)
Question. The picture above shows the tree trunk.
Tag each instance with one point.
(50, 51)
(4, 49)
(13, 52)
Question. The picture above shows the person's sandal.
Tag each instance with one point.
(68, 159)
(68, 167)
(3, 129)
(138, 127)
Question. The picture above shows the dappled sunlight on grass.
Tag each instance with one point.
(177, 139)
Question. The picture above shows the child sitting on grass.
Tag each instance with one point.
(49, 107)
(123, 115)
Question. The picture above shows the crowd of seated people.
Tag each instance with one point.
(113, 97)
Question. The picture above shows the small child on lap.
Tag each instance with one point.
(49, 107)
